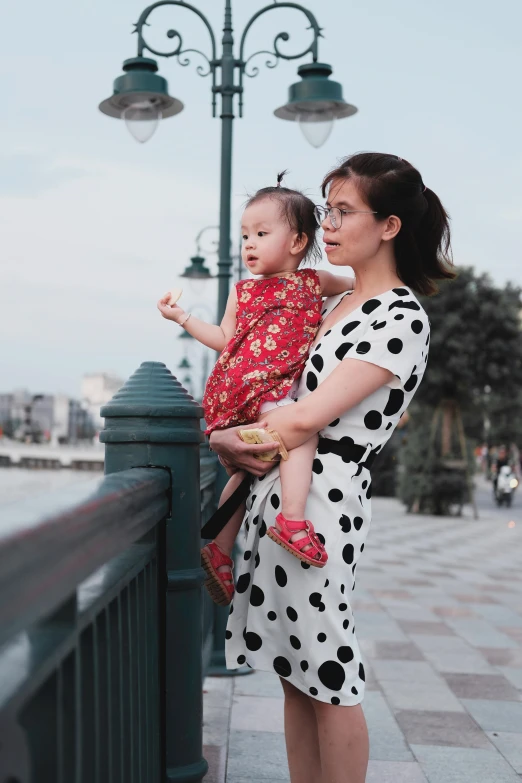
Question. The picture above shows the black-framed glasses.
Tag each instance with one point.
(336, 215)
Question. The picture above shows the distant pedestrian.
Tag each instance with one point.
(365, 365)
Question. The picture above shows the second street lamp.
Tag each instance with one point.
(141, 96)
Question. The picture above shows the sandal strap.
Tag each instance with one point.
(218, 558)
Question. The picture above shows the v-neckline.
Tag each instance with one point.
(341, 320)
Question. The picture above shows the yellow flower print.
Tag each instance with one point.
(249, 284)
(255, 345)
(283, 354)
(245, 296)
(274, 328)
(303, 349)
(270, 344)
(280, 294)
(223, 397)
(283, 321)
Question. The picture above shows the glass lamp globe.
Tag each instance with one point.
(142, 119)
(316, 126)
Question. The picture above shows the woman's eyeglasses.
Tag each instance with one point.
(336, 215)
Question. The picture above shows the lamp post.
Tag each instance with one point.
(141, 97)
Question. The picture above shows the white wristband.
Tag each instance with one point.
(184, 321)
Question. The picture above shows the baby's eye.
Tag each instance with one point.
(261, 233)
(245, 237)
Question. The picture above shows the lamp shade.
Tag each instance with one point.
(316, 100)
(197, 269)
(140, 88)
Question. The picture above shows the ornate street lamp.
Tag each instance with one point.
(141, 97)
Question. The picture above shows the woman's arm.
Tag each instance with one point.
(350, 383)
(334, 284)
(211, 335)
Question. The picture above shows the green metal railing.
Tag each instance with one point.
(104, 629)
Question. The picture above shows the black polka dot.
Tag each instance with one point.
(262, 529)
(311, 381)
(314, 691)
(272, 616)
(369, 306)
(348, 554)
(343, 607)
(322, 607)
(355, 691)
(364, 484)
(257, 559)
(399, 317)
(318, 362)
(373, 420)
(334, 423)
(332, 675)
(321, 637)
(369, 492)
(417, 326)
(247, 555)
(282, 666)
(335, 700)
(294, 641)
(411, 383)
(242, 583)
(347, 328)
(327, 333)
(291, 614)
(395, 345)
(380, 325)
(362, 675)
(241, 659)
(345, 654)
(345, 523)
(342, 589)
(304, 665)
(404, 305)
(305, 565)
(327, 583)
(317, 347)
(228, 634)
(321, 538)
(346, 623)
(255, 520)
(389, 425)
(274, 500)
(363, 347)
(253, 641)
(395, 401)
(315, 599)
(231, 608)
(280, 575)
(317, 466)
(357, 522)
(257, 596)
(400, 291)
(343, 350)
(362, 547)
(335, 495)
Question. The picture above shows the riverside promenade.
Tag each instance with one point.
(438, 608)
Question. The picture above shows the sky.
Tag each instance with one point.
(95, 227)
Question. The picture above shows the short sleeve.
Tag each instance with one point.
(396, 339)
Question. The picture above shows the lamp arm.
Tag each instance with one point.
(276, 54)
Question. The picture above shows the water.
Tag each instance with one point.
(18, 483)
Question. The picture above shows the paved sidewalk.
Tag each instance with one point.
(438, 608)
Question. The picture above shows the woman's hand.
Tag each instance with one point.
(231, 449)
(172, 313)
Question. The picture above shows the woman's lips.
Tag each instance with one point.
(330, 246)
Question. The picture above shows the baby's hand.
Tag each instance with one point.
(171, 312)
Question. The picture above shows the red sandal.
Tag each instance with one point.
(220, 584)
(315, 556)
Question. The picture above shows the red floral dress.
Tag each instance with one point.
(277, 319)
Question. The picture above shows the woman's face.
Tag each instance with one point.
(360, 236)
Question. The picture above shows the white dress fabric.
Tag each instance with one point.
(287, 617)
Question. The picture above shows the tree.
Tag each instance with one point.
(475, 358)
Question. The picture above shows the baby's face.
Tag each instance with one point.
(267, 239)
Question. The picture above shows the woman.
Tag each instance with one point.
(366, 363)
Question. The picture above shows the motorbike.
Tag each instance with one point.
(505, 486)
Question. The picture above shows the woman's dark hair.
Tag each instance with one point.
(298, 210)
(392, 186)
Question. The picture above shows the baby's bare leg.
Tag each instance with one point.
(296, 475)
(226, 538)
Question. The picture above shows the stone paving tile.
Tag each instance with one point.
(501, 616)
(452, 729)
(463, 765)
(453, 611)
(257, 755)
(498, 657)
(258, 684)
(391, 651)
(379, 626)
(475, 599)
(515, 633)
(407, 671)
(480, 633)
(386, 739)
(482, 686)
(412, 696)
(216, 758)
(410, 613)
(495, 715)
(513, 675)
(510, 745)
(432, 629)
(257, 713)
(393, 772)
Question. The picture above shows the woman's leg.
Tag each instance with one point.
(302, 743)
(343, 742)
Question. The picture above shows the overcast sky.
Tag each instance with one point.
(95, 227)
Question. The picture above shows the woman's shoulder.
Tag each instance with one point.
(397, 304)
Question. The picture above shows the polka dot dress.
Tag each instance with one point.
(287, 617)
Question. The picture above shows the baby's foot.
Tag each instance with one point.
(218, 567)
(300, 539)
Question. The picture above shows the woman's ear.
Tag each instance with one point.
(298, 244)
(392, 227)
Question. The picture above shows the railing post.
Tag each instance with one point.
(152, 421)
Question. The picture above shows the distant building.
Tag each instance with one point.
(44, 417)
(97, 390)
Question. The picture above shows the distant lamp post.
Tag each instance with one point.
(141, 98)
(185, 364)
